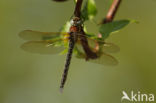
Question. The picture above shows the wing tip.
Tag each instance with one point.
(22, 34)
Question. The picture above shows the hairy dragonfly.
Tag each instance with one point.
(88, 47)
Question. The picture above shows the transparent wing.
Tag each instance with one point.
(105, 59)
(110, 48)
(36, 35)
(103, 46)
(42, 47)
(96, 43)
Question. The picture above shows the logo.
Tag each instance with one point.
(137, 97)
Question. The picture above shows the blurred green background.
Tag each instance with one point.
(34, 78)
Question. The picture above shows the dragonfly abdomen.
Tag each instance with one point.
(68, 59)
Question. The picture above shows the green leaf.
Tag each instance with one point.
(92, 11)
(75, 1)
(65, 27)
(78, 54)
(66, 48)
(64, 51)
(89, 10)
(108, 28)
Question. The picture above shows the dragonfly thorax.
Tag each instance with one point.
(76, 21)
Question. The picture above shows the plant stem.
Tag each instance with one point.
(77, 12)
(112, 11)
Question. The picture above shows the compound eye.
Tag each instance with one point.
(71, 22)
(79, 22)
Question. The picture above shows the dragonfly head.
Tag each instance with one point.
(76, 21)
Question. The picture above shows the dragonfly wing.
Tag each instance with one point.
(36, 35)
(79, 51)
(105, 59)
(103, 46)
(79, 47)
(42, 47)
(110, 48)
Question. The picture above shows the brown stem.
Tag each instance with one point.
(89, 53)
(112, 11)
(77, 12)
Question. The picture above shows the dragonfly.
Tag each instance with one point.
(84, 46)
